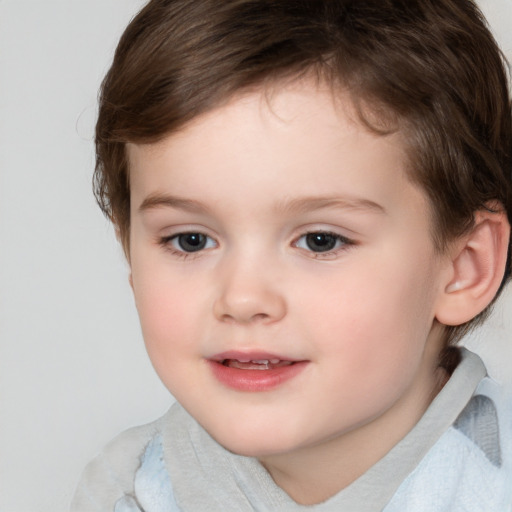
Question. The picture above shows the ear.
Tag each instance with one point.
(477, 264)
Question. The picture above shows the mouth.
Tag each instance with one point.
(254, 372)
(256, 364)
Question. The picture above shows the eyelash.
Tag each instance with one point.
(343, 242)
(167, 243)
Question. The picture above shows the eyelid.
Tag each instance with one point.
(175, 238)
(346, 243)
(343, 243)
(338, 236)
(167, 241)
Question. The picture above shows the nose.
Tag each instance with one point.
(248, 295)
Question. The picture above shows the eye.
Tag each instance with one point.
(190, 242)
(321, 241)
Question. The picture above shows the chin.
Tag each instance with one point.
(256, 445)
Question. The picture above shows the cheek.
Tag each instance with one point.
(169, 327)
(374, 321)
(165, 312)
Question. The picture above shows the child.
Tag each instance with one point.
(315, 199)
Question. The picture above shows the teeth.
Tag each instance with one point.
(259, 361)
(256, 364)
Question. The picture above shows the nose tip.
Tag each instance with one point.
(257, 303)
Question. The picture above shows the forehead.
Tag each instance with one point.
(302, 139)
(309, 103)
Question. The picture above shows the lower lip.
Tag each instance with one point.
(255, 380)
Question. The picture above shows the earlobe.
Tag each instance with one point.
(477, 267)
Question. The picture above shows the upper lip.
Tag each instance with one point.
(250, 356)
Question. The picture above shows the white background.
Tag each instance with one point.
(73, 370)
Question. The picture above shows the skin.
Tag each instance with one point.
(255, 176)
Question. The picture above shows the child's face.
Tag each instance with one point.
(280, 229)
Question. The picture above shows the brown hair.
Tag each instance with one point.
(430, 65)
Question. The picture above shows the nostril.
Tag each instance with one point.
(260, 317)
(231, 318)
(256, 304)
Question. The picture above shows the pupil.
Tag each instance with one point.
(191, 242)
(320, 242)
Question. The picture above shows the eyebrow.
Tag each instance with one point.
(307, 204)
(297, 205)
(163, 200)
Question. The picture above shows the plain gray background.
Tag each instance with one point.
(73, 370)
